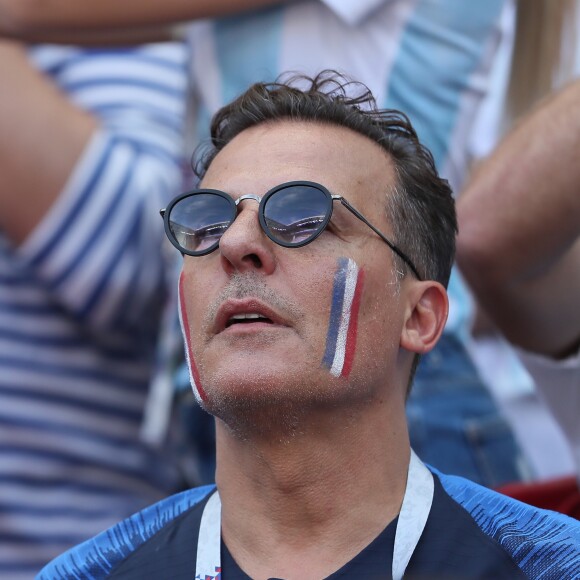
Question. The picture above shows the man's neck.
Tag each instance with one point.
(302, 507)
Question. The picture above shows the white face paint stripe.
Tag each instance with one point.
(187, 342)
(349, 288)
(187, 356)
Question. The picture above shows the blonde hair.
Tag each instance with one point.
(544, 51)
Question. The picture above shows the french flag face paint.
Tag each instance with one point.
(342, 327)
(193, 374)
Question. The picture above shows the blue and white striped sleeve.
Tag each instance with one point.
(99, 249)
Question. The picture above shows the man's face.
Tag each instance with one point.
(288, 358)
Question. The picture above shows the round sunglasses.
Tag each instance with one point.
(292, 215)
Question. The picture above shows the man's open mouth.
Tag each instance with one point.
(247, 312)
(248, 318)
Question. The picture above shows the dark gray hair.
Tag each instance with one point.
(420, 205)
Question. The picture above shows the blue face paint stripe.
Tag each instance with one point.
(335, 312)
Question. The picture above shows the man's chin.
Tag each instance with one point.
(251, 415)
(257, 408)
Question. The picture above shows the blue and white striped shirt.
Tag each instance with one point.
(80, 305)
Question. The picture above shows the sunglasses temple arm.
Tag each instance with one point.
(399, 253)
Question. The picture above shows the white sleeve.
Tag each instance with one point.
(354, 13)
(489, 121)
(558, 385)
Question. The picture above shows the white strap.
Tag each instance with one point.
(208, 562)
(412, 519)
(414, 513)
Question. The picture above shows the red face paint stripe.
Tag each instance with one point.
(353, 326)
(188, 342)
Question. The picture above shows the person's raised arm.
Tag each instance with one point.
(519, 228)
(44, 135)
(92, 148)
(47, 19)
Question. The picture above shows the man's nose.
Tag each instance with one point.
(245, 246)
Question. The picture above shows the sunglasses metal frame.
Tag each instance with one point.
(166, 212)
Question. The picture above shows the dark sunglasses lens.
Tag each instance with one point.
(198, 222)
(296, 214)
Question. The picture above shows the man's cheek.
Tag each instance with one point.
(343, 322)
(198, 391)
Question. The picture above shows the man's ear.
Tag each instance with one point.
(428, 307)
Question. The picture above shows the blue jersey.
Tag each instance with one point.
(471, 532)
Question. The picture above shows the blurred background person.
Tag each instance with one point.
(519, 246)
(91, 147)
(545, 57)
